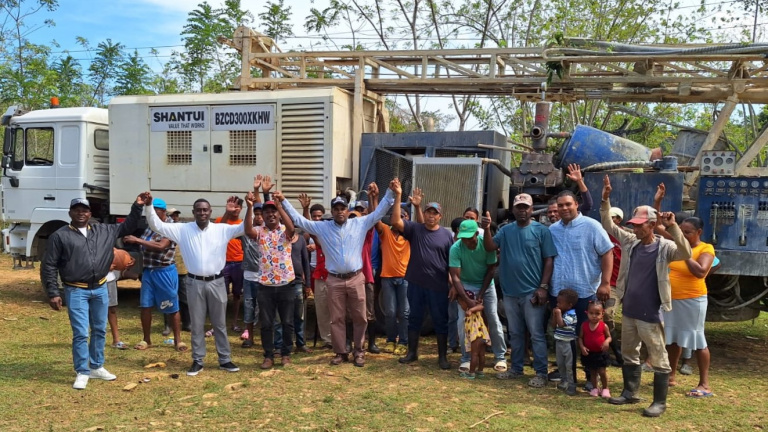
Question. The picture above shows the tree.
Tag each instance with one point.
(276, 20)
(133, 77)
(25, 78)
(72, 90)
(103, 69)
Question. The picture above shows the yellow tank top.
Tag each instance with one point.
(684, 284)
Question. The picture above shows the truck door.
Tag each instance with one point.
(30, 177)
(244, 143)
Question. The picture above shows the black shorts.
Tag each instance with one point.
(595, 360)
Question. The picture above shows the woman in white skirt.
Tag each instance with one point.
(684, 324)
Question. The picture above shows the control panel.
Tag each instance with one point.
(735, 212)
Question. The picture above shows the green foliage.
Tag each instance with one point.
(276, 20)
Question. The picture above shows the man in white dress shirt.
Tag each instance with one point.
(203, 245)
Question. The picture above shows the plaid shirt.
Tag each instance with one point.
(157, 259)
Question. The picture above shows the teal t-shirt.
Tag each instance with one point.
(523, 251)
(473, 263)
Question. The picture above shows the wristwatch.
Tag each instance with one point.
(544, 286)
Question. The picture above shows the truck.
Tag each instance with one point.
(181, 147)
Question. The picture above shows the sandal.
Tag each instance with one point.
(500, 366)
(181, 347)
(209, 333)
(464, 367)
(237, 329)
(699, 394)
(467, 375)
(120, 345)
(141, 346)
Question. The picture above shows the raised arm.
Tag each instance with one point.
(129, 225)
(389, 198)
(170, 230)
(289, 228)
(416, 197)
(682, 249)
(248, 229)
(305, 202)
(574, 174)
(396, 221)
(299, 221)
(488, 241)
(605, 215)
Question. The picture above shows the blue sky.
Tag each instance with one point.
(135, 24)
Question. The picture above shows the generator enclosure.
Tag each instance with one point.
(635, 189)
(384, 156)
(189, 146)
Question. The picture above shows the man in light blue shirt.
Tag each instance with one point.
(342, 242)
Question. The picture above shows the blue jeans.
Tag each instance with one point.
(420, 299)
(453, 319)
(298, 320)
(87, 309)
(250, 304)
(581, 317)
(394, 292)
(490, 311)
(521, 314)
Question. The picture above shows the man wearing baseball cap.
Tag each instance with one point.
(427, 276)
(159, 279)
(342, 240)
(644, 279)
(471, 268)
(527, 254)
(81, 253)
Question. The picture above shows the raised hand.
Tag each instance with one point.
(667, 219)
(278, 197)
(574, 173)
(305, 200)
(257, 179)
(144, 198)
(250, 198)
(416, 197)
(373, 190)
(607, 187)
(661, 191)
(395, 186)
(232, 204)
(266, 184)
(485, 221)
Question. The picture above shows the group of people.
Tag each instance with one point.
(567, 276)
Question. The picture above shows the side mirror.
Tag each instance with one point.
(7, 141)
(7, 161)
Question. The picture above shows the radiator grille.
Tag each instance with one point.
(302, 141)
(242, 148)
(386, 165)
(178, 147)
(454, 185)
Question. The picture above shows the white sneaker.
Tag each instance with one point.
(80, 382)
(102, 374)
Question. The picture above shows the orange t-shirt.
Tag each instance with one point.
(684, 284)
(235, 246)
(395, 253)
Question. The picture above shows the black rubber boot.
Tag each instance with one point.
(616, 348)
(413, 348)
(631, 375)
(372, 348)
(442, 352)
(660, 389)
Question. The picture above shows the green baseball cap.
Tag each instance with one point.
(467, 229)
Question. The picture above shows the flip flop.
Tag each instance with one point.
(699, 394)
(120, 345)
(141, 346)
(181, 347)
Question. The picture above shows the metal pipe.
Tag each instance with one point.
(540, 126)
(497, 163)
(753, 299)
(618, 164)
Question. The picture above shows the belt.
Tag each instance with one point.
(205, 278)
(349, 275)
(86, 285)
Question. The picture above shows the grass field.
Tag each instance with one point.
(36, 377)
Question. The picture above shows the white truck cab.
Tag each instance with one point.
(50, 157)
